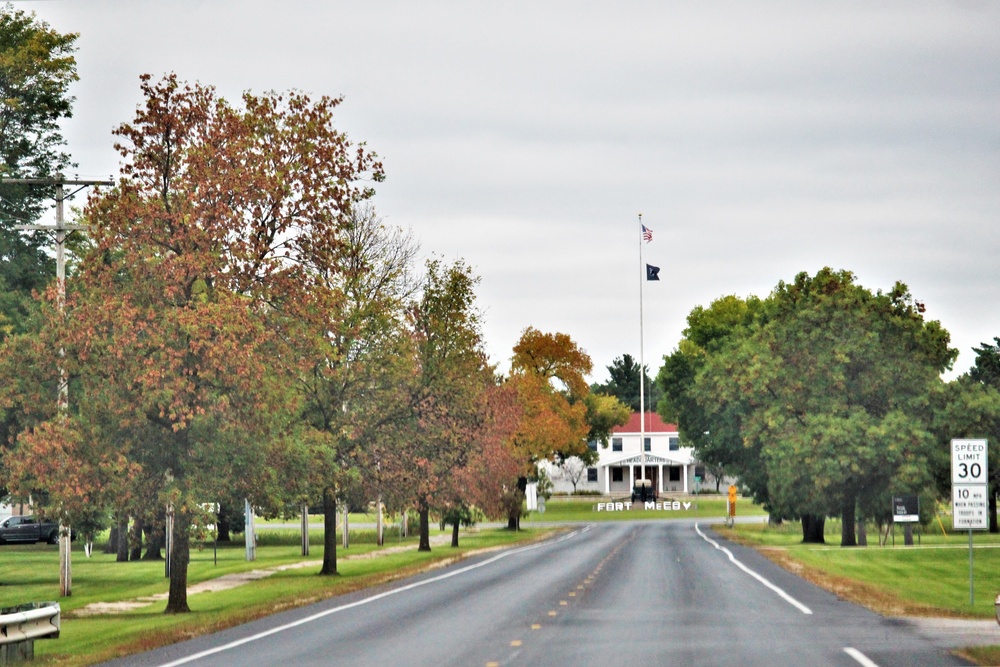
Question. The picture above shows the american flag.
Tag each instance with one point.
(647, 233)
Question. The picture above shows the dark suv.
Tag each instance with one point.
(28, 529)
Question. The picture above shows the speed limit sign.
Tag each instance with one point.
(969, 477)
(968, 462)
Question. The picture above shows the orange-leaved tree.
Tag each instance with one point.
(548, 372)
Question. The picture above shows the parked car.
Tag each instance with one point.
(28, 529)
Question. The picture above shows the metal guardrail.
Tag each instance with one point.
(20, 626)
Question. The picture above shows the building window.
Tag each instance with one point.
(616, 444)
(675, 443)
(592, 445)
(647, 444)
(675, 474)
(617, 475)
(591, 474)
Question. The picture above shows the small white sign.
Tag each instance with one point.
(969, 462)
(969, 507)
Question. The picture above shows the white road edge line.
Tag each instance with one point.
(328, 612)
(785, 596)
(859, 656)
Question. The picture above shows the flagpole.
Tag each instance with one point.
(642, 364)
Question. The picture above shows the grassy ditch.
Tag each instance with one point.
(30, 573)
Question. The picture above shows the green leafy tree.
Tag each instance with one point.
(446, 391)
(36, 69)
(828, 390)
(624, 383)
(708, 410)
(604, 413)
(987, 366)
(969, 407)
(352, 389)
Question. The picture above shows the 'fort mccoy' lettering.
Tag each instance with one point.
(674, 506)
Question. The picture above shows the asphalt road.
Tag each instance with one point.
(636, 594)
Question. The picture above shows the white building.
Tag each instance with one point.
(660, 458)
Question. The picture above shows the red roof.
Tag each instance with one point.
(653, 425)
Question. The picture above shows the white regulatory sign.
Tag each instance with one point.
(969, 507)
(968, 462)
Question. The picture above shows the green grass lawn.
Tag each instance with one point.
(584, 508)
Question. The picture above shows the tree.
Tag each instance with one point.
(969, 407)
(548, 374)
(831, 386)
(352, 388)
(604, 413)
(697, 396)
(36, 69)
(206, 281)
(624, 383)
(987, 366)
(446, 396)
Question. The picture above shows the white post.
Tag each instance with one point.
(249, 531)
(346, 531)
(305, 529)
(379, 524)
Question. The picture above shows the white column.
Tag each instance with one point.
(685, 478)
(607, 479)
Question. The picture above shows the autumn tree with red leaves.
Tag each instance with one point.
(214, 266)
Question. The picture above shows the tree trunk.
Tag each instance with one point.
(180, 556)
(847, 516)
(154, 543)
(908, 534)
(112, 546)
(329, 531)
(222, 524)
(862, 534)
(454, 534)
(425, 529)
(121, 555)
(135, 541)
(812, 529)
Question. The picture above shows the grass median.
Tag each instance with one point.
(129, 598)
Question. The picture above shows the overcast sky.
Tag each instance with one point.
(758, 139)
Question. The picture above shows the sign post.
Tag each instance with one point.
(732, 504)
(969, 495)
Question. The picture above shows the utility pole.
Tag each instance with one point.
(60, 229)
